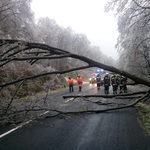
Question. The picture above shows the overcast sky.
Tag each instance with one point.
(83, 16)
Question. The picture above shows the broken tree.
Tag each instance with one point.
(17, 51)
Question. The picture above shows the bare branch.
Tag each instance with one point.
(44, 74)
(91, 63)
(105, 96)
(103, 110)
(13, 96)
(34, 57)
(141, 6)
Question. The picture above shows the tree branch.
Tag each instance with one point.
(105, 96)
(44, 74)
(91, 63)
(140, 5)
(104, 110)
(13, 96)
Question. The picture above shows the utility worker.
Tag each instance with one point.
(121, 82)
(106, 83)
(125, 84)
(98, 80)
(117, 81)
(79, 81)
(114, 83)
(70, 83)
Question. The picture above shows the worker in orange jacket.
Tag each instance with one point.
(79, 81)
(70, 83)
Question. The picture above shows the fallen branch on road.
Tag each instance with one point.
(105, 96)
(57, 112)
(127, 97)
(102, 103)
(16, 50)
(104, 110)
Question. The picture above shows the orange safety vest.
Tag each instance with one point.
(80, 81)
(70, 81)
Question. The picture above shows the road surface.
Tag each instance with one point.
(113, 130)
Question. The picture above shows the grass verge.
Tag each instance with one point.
(144, 113)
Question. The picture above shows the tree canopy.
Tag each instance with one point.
(133, 42)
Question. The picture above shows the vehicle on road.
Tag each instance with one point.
(101, 72)
(102, 78)
(92, 79)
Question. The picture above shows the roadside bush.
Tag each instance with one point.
(14, 71)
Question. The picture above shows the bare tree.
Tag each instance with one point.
(133, 26)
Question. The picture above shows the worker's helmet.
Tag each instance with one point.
(106, 73)
(69, 77)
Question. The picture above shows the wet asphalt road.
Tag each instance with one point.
(113, 130)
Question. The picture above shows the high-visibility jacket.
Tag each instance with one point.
(121, 81)
(125, 80)
(114, 81)
(79, 81)
(98, 79)
(106, 80)
(118, 78)
(70, 81)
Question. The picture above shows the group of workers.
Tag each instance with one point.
(70, 83)
(117, 81)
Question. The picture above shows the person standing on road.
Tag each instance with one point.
(70, 83)
(117, 81)
(125, 84)
(98, 80)
(106, 83)
(121, 82)
(114, 83)
(79, 81)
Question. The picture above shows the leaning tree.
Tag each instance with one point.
(18, 51)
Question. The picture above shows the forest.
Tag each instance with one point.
(17, 23)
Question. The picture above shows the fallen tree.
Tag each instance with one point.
(25, 49)
(16, 50)
(114, 108)
(105, 96)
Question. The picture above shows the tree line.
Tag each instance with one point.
(134, 39)
(18, 22)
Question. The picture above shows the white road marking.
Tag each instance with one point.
(8, 132)
(69, 100)
(43, 113)
(2, 135)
